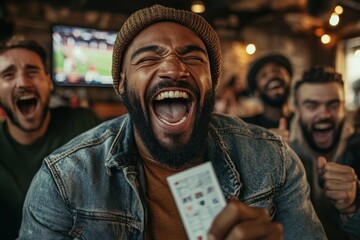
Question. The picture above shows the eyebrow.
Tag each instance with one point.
(8, 69)
(13, 68)
(158, 49)
(151, 48)
(319, 102)
(192, 48)
(30, 67)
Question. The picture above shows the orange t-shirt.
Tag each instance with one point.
(163, 217)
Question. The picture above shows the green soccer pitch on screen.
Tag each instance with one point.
(81, 56)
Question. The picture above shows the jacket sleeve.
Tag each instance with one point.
(294, 208)
(45, 213)
(351, 225)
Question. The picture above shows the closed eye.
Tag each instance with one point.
(8, 76)
(147, 61)
(33, 72)
(334, 105)
(193, 60)
(311, 105)
(8, 73)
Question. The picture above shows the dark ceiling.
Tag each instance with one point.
(299, 15)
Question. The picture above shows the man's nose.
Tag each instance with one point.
(324, 111)
(23, 80)
(173, 68)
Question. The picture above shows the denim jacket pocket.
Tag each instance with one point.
(107, 225)
(264, 202)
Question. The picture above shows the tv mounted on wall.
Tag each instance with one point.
(81, 56)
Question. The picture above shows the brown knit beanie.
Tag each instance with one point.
(157, 13)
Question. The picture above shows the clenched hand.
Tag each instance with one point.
(239, 221)
(339, 185)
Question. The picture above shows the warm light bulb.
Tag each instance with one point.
(325, 39)
(357, 53)
(198, 7)
(334, 19)
(250, 49)
(338, 9)
(319, 32)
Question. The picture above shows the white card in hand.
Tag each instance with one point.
(198, 197)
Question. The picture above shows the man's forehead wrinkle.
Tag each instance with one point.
(31, 66)
(151, 48)
(191, 48)
(320, 101)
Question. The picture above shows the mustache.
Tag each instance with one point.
(24, 91)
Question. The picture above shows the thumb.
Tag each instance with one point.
(282, 124)
(321, 162)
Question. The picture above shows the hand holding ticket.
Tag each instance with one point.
(204, 211)
(198, 198)
(239, 221)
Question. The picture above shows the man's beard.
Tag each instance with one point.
(278, 100)
(307, 133)
(11, 117)
(179, 155)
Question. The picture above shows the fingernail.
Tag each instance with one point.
(210, 237)
(233, 197)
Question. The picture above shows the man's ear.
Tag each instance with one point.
(121, 84)
(296, 109)
(50, 81)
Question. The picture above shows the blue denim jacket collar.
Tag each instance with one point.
(123, 153)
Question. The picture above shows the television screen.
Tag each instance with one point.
(82, 56)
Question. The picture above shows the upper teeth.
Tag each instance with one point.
(322, 126)
(172, 94)
(27, 97)
(275, 84)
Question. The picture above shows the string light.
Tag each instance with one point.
(325, 39)
(198, 6)
(338, 9)
(250, 48)
(319, 32)
(357, 53)
(334, 19)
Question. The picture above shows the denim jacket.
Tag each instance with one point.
(93, 187)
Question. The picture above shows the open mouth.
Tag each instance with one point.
(172, 107)
(323, 133)
(27, 104)
(275, 84)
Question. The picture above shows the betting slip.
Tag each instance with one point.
(198, 197)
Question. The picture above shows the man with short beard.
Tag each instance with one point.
(269, 79)
(111, 182)
(31, 130)
(319, 131)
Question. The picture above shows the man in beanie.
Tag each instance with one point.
(110, 183)
(269, 79)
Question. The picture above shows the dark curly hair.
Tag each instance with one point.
(318, 74)
(21, 42)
